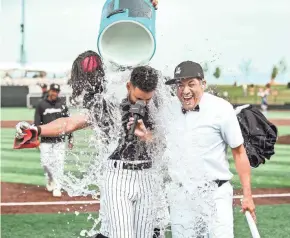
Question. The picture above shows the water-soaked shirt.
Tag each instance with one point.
(126, 150)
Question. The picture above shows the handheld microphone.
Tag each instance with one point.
(138, 110)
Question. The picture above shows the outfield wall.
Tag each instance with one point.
(13, 96)
(16, 96)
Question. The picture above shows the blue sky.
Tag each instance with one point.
(222, 32)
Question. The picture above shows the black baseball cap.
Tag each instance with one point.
(185, 70)
(43, 85)
(55, 87)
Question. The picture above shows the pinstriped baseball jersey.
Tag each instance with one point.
(126, 204)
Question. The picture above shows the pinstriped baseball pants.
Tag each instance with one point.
(127, 202)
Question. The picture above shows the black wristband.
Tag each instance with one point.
(38, 130)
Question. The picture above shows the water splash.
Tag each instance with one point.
(190, 188)
(172, 158)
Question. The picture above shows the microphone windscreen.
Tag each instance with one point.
(141, 103)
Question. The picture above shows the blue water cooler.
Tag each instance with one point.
(127, 32)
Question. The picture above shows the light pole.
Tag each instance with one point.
(22, 30)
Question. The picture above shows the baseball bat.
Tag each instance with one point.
(252, 225)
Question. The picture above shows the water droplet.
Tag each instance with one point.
(83, 233)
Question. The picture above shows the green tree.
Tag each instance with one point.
(217, 72)
(274, 73)
(280, 68)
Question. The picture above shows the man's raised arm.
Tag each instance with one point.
(55, 128)
(64, 125)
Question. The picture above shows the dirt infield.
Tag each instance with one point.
(21, 193)
(11, 124)
(284, 140)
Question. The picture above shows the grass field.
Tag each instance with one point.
(273, 222)
(19, 114)
(23, 166)
(235, 94)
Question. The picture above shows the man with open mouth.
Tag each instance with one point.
(208, 125)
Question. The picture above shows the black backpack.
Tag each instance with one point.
(260, 135)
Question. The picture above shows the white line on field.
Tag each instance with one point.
(267, 195)
(9, 204)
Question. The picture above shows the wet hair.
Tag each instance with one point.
(87, 75)
(145, 78)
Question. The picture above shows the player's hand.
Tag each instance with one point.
(140, 129)
(248, 205)
(21, 127)
(70, 146)
(154, 3)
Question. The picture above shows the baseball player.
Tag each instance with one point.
(264, 94)
(206, 125)
(126, 195)
(52, 149)
(43, 87)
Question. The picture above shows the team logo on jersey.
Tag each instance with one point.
(51, 110)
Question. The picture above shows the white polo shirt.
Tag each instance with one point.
(197, 141)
